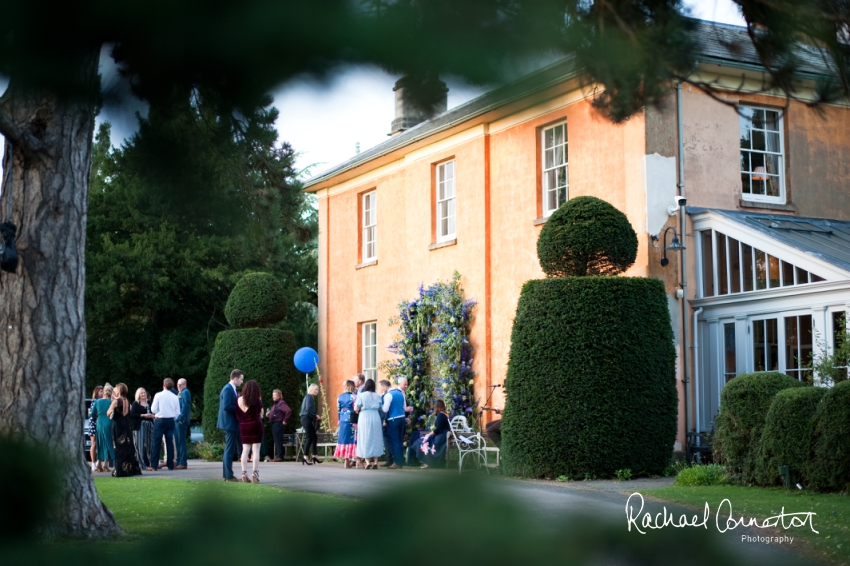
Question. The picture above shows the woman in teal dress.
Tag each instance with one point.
(105, 452)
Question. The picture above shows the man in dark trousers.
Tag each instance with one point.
(227, 421)
(278, 415)
(181, 428)
(165, 408)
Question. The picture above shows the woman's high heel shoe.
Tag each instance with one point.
(304, 461)
(316, 460)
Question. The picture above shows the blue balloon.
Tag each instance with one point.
(306, 359)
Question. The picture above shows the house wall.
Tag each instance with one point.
(605, 160)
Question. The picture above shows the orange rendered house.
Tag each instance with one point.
(766, 223)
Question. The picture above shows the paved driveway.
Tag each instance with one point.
(548, 500)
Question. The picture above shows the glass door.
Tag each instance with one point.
(765, 344)
(799, 342)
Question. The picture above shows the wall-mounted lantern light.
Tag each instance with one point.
(675, 245)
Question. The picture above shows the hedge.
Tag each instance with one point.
(264, 354)
(591, 384)
(829, 466)
(787, 436)
(744, 404)
(586, 236)
(257, 300)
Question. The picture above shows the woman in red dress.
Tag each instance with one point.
(249, 413)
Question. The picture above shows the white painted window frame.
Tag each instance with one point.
(446, 205)
(369, 345)
(547, 211)
(370, 226)
(781, 199)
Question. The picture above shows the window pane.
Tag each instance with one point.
(723, 287)
(707, 265)
(552, 200)
(747, 266)
(758, 118)
(758, 140)
(744, 131)
(758, 345)
(561, 176)
(772, 189)
(787, 274)
(730, 357)
(562, 196)
(450, 170)
(549, 180)
(450, 188)
(806, 346)
(774, 271)
(815, 278)
(772, 345)
(761, 270)
(559, 155)
(559, 134)
(549, 160)
(734, 266)
(792, 343)
(771, 120)
(549, 137)
(802, 276)
(745, 183)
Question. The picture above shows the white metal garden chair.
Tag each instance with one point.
(468, 442)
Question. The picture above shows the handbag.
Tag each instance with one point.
(353, 416)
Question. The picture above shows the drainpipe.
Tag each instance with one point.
(683, 265)
(696, 371)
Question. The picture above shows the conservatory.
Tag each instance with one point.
(772, 293)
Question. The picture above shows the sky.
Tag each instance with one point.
(324, 122)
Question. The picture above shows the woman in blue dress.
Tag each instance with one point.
(370, 434)
(103, 426)
(346, 446)
(431, 448)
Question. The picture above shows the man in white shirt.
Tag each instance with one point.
(166, 409)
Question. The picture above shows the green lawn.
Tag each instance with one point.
(831, 521)
(147, 508)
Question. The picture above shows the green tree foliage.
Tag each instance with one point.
(591, 384)
(789, 430)
(257, 300)
(167, 243)
(586, 236)
(829, 466)
(744, 404)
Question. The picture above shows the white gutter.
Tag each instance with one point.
(696, 370)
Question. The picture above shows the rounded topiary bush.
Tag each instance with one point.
(787, 436)
(265, 355)
(591, 385)
(828, 468)
(744, 404)
(586, 236)
(258, 300)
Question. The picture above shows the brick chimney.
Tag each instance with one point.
(407, 114)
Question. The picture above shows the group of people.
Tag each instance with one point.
(129, 436)
(372, 424)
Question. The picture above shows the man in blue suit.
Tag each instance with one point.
(227, 421)
(181, 427)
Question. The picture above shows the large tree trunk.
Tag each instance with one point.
(43, 334)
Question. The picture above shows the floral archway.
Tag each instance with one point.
(433, 350)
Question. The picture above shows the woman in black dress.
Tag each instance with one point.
(126, 463)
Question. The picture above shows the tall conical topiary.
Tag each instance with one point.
(265, 354)
(591, 384)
